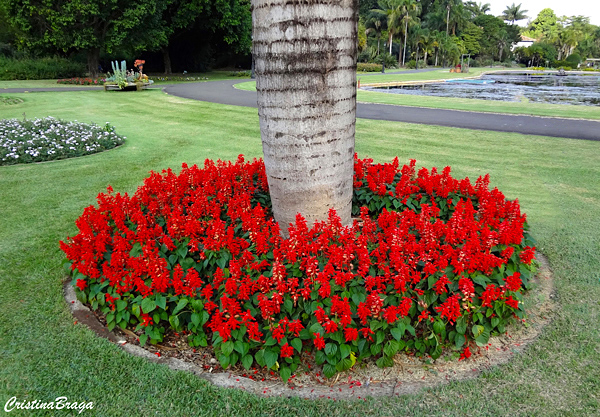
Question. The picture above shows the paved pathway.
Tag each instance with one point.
(223, 92)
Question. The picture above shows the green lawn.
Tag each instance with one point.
(43, 355)
(467, 104)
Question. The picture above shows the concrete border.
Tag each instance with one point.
(544, 305)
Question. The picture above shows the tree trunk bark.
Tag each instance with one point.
(390, 41)
(166, 59)
(93, 61)
(405, 38)
(305, 62)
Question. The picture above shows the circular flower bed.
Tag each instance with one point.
(48, 139)
(430, 262)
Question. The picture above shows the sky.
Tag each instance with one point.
(589, 8)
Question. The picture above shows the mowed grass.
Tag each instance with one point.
(467, 104)
(43, 354)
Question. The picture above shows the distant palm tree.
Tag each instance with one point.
(393, 12)
(411, 9)
(514, 13)
(477, 9)
(427, 42)
(376, 23)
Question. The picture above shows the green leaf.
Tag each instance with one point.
(481, 280)
(344, 364)
(380, 337)
(148, 305)
(329, 370)
(288, 305)
(483, 338)
(195, 318)
(260, 357)
(461, 325)
(384, 362)
(285, 373)
(439, 326)
(227, 348)
(297, 344)
(161, 301)
(270, 358)
(391, 348)
(224, 361)
(174, 321)
(398, 332)
(345, 351)
(331, 349)
(121, 304)
(459, 340)
(241, 347)
(136, 250)
(143, 339)
(477, 330)
(180, 305)
(247, 361)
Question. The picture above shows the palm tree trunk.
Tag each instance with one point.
(390, 41)
(405, 37)
(448, 20)
(305, 60)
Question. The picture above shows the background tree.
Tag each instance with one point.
(545, 25)
(376, 23)
(513, 13)
(305, 54)
(470, 37)
(79, 25)
(477, 9)
(410, 10)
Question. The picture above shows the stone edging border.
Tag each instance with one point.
(402, 384)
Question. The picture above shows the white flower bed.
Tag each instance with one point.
(49, 138)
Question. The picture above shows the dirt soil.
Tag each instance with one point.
(409, 374)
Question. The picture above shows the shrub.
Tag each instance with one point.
(368, 67)
(48, 139)
(411, 64)
(245, 74)
(559, 64)
(389, 60)
(429, 262)
(39, 69)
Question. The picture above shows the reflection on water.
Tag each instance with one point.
(569, 89)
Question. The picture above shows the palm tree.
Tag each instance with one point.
(307, 104)
(410, 10)
(418, 34)
(477, 9)
(392, 11)
(514, 13)
(376, 23)
(427, 42)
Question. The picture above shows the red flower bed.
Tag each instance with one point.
(81, 81)
(430, 262)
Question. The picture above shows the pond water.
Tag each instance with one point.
(541, 88)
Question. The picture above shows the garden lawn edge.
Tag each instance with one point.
(407, 377)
